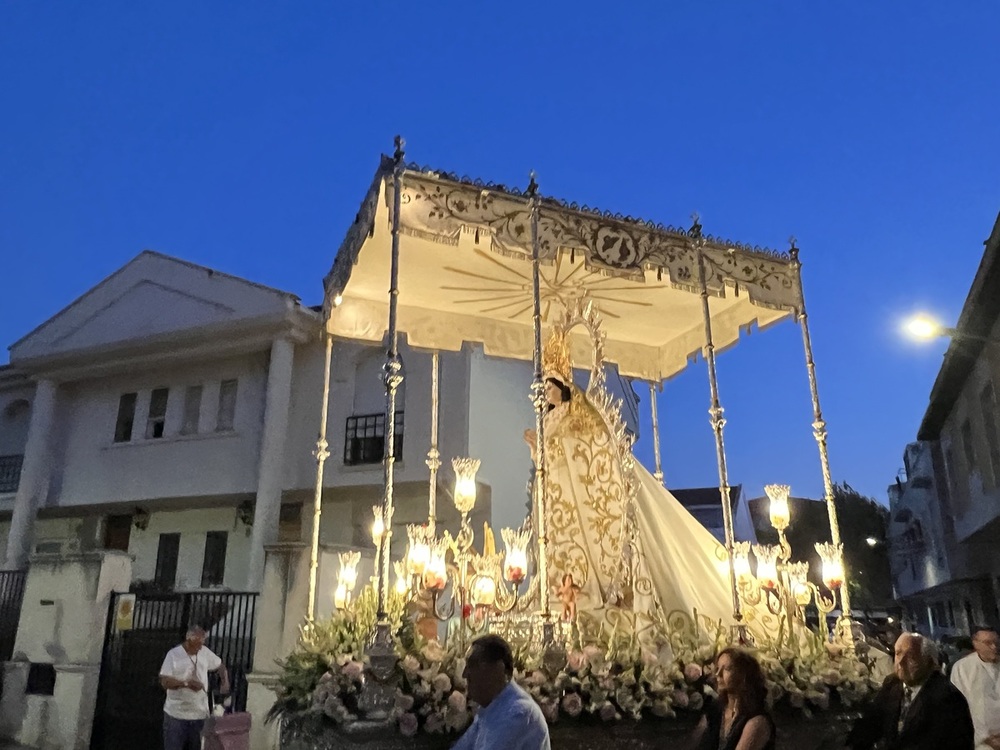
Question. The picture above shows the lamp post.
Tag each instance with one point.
(924, 327)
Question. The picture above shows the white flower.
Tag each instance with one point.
(441, 683)
(410, 665)
(433, 652)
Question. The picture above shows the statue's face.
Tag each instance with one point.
(553, 393)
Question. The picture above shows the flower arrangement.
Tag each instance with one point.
(610, 678)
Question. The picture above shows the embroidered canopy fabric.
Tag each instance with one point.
(465, 275)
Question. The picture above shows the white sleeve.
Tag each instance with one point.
(167, 668)
(958, 677)
(213, 661)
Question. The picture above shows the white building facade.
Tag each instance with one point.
(172, 412)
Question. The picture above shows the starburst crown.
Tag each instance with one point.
(556, 361)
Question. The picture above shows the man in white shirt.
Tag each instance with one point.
(508, 718)
(978, 677)
(184, 675)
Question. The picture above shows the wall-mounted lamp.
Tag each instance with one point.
(140, 518)
(244, 515)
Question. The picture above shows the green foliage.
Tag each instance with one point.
(324, 644)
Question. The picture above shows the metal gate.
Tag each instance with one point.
(129, 713)
(11, 595)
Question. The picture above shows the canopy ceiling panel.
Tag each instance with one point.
(465, 276)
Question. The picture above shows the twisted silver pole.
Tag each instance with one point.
(538, 399)
(433, 455)
(658, 474)
(322, 453)
(718, 422)
(393, 374)
(819, 426)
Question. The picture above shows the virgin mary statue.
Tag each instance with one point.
(617, 539)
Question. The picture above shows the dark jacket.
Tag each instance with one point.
(711, 740)
(938, 719)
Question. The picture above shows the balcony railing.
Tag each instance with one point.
(10, 473)
(364, 441)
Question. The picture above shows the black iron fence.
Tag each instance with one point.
(141, 628)
(11, 595)
(10, 473)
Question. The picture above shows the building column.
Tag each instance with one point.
(34, 476)
(270, 471)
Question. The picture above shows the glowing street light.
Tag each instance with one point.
(924, 327)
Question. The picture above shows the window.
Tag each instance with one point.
(192, 410)
(364, 442)
(117, 530)
(968, 447)
(126, 416)
(166, 560)
(989, 408)
(290, 523)
(214, 567)
(157, 413)
(227, 406)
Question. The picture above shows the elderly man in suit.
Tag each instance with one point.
(917, 707)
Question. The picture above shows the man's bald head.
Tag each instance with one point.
(916, 657)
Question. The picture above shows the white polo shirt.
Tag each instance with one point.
(979, 682)
(179, 664)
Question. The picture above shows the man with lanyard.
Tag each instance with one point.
(184, 675)
(508, 718)
(978, 677)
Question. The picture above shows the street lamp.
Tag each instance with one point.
(924, 327)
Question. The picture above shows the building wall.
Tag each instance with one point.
(500, 410)
(15, 413)
(90, 468)
(916, 535)
(193, 526)
(973, 467)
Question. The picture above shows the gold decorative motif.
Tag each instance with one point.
(556, 361)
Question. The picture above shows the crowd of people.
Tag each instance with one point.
(918, 707)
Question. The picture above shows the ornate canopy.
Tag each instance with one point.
(465, 275)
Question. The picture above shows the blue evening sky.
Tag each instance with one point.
(242, 135)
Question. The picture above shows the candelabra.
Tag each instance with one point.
(780, 584)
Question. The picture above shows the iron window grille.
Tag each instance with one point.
(10, 473)
(364, 441)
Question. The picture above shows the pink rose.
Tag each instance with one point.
(608, 712)
(457, 702)
(693, 672)
(572, 704)
(441, 683)
(408, 724)
(594, 655)
(550, 710)
(576, 661)
(354, 671)
(434, 723)
(661, 709)
(680, 699)
(696, 702)
(404, 702)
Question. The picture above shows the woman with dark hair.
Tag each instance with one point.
(739, 719)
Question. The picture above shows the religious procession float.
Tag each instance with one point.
(615, 598)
